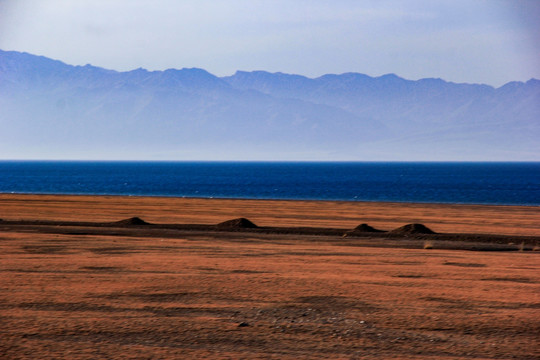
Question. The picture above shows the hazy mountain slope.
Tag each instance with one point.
(458, 121)
(401, 103)
(52, 110)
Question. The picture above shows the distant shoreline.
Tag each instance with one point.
(263, 199)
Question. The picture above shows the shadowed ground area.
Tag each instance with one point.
(254, 295)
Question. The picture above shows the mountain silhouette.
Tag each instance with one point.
(53, 110)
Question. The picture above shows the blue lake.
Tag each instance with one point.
(470, 183)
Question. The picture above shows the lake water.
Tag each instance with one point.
(469, 183)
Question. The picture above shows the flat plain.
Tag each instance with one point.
(125, 292)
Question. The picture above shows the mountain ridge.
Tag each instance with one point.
(54, 109)
(3, 53)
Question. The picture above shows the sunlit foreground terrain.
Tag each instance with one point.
(81, 292)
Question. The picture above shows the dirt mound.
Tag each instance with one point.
(362, 229)
(132, 221)
(365, 228)
(412, 229)
(240, 223)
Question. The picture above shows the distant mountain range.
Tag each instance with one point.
(51, 110)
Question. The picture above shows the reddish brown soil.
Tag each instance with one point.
(509, 220)
(257, 295)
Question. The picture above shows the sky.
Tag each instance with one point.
(472, 41)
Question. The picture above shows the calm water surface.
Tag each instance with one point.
(473, 183)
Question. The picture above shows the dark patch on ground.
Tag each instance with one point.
(452, 303)
(101, 268)
(336, 302)
(120, 250)
(163, 297)
(512, 279)
(240, 271)
(44, 249)
(404, 262)
(471, 265)
(161, 311)
(71, 307)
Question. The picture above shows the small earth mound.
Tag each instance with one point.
(365, 228)
(240, 223)
(362, 229)
(412, 229)
(132, 221)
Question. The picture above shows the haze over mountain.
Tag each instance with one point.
(50, 110)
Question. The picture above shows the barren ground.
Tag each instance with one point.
(76, 295)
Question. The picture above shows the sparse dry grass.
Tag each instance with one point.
(260, 296)
(255, 295)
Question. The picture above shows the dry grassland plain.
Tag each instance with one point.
(76, 293)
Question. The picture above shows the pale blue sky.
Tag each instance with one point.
(486, 41)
